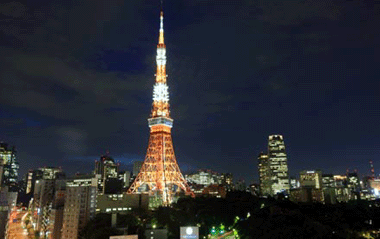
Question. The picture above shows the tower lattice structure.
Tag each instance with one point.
(160, 171)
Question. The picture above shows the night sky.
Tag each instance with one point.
(76, 79)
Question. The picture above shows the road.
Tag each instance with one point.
(16, 225)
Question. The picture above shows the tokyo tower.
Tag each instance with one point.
(160, 172)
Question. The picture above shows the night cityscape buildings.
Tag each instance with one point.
(273, 168)
(73, 81)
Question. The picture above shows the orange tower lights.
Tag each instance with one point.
(160, 171)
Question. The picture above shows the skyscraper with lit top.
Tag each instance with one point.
(278, 163)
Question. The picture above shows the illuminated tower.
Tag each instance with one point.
(160, 172)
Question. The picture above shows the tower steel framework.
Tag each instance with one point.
(160, 171)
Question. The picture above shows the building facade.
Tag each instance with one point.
(9, 167)
(204, 177)
(108, 171)
(264, 175)
(278, 163)
(311, 179)
(80, 206)
(121, 203)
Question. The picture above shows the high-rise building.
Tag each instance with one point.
(160, 171)
(32, 177)
(278, 163)
(9, 166)
(108, 170)
(80, 206)
(56, 215)
(264, 175)
(136, 167)
(106, 167)
(42, 203)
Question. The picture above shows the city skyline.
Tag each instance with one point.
(77, 82)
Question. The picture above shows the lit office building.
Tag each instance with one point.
(328, 188)
(264, 175)
(227, 180)
(310, 189)
(341, 191)
(51, 173)
(204, 177)
(335, 188)
(328, 181)
(9, 167)
(294, 183)
(353, 185)
(278, 163)
(312, 179)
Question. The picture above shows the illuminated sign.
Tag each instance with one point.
(189, 233)
(125, 237)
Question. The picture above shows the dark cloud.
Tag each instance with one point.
(76, 79)
(13, 9)
(72, 141)
(294, 12)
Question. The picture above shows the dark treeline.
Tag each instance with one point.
(250, 216)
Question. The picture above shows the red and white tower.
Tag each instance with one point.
(160, 171)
